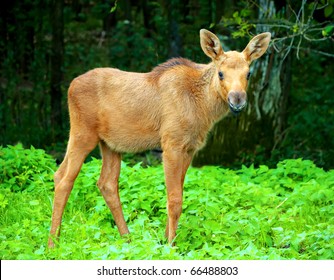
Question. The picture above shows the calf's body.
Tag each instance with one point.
(173, 107)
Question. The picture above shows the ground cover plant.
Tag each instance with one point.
(285, 212)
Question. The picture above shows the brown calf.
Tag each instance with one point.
(173, 107)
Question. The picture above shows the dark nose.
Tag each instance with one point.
(237, 100)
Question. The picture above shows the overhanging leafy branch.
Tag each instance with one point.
(295, 29)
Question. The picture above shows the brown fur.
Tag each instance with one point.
(173, 107)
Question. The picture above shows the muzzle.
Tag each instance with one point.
(237, 101)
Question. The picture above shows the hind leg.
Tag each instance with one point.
(108, 185)
(77, 150)
(59, 174)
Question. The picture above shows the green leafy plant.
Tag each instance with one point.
(284, 212)
(21, 168)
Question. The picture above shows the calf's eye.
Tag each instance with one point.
(248, 75)
(221, 75)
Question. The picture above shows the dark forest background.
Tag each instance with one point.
(44, 44)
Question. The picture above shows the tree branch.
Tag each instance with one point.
(298, 30)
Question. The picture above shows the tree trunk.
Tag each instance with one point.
(262, 123)
(172, 9)
(57, 53)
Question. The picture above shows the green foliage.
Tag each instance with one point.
(24, 168)
(241, 19)
(310, 133)
(113, 8)
(328, 8)
(251, 213)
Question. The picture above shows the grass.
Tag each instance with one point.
(252, 213)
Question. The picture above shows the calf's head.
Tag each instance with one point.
(232, 67)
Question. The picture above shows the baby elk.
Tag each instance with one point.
(173, 107)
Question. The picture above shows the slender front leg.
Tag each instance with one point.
(176, 164)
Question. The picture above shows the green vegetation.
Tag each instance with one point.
(285, 212)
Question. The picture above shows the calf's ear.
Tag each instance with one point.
(210, 44)
(257, 47)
